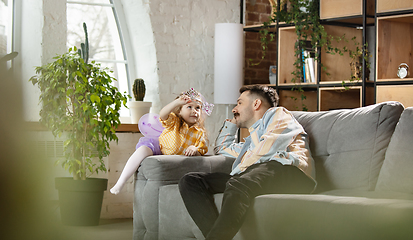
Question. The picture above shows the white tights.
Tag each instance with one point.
(131, 166)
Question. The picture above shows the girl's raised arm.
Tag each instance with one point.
(181, 100)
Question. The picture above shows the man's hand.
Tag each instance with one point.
(192, 151)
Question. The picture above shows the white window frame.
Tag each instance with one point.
(123, 32)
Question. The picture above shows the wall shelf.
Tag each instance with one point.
(390, 42)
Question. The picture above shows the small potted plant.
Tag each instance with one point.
(78, 100)
(138, 108)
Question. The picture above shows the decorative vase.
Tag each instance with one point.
(138, 109)
(356, 70)
(80, 200)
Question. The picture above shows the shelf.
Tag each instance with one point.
(344, 8)
(340, 98)
(258, 27)
(353, 21)
(124, 127)
(390, 80)
(286, 40)
(400, 93)
(287, 100)
(391, 38)
(338, 66)
(394, 5)
(394, 46)
(338, 82)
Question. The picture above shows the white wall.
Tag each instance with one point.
(42, 37)
(173, 42)
(173, 46)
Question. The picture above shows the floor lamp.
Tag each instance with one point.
(228, 63)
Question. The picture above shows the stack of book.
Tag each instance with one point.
(308, 63)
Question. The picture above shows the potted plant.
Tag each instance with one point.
(138, 108)
(78, 100)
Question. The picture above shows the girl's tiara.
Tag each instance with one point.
(195, 95)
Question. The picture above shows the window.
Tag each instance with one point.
(106, 45)
(6, 26)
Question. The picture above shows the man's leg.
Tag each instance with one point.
(269, 177)
(197, 190)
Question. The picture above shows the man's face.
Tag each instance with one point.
(243, 111)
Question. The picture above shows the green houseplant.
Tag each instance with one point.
(78, 99)
(138, 108)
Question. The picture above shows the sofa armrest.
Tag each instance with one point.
(173, 167)
(161, 170)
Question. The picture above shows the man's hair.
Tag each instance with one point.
(265, 93)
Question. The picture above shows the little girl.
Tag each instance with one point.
(184, 134)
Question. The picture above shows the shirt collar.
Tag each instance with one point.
(259, 121)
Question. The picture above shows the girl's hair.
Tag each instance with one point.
(206, 109)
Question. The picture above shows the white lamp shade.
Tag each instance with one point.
(229, 62)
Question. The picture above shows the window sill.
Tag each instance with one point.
(124, 127)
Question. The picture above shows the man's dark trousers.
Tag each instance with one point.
(197, 190)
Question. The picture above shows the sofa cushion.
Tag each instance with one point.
(174, 220)
(396, 172)
(322, 216)
(348, 146)
(161, 170)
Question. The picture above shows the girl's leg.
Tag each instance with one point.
(131, 166)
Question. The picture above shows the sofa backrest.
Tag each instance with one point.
(348, 146)
(396, 172)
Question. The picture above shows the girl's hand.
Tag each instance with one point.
(181, 100)
(184, 99)
(191, 151)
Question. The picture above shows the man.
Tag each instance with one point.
(275, 158)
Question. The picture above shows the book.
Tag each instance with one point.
(308, 59)
(309, 66)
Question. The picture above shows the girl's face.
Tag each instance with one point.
(191, 112)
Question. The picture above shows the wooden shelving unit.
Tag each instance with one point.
(332, 98)
(292, 99)
(335, 9)
(394, 46)
(387, 24)
(386, 6)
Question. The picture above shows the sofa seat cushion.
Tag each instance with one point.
(324, 216)
(396, 172)
(348, 146)
(174, 220)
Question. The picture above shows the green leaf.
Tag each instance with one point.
(95, 98)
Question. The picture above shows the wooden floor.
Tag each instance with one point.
(108, 229)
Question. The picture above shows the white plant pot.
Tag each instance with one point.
(138, 109)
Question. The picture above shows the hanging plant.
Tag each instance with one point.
(304, 16)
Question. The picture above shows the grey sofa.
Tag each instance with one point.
(364, 167)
